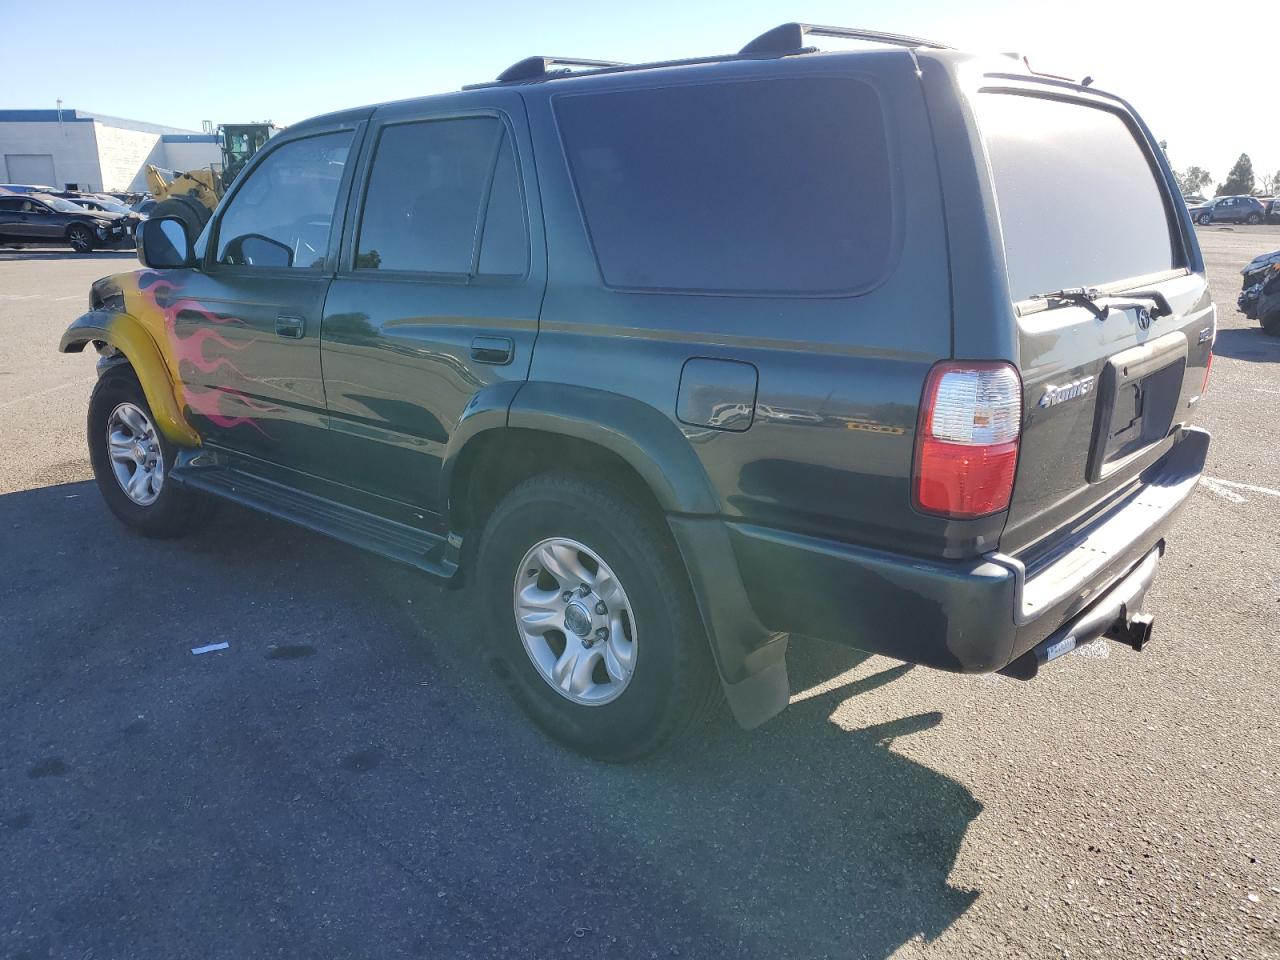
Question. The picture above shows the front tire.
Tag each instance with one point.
(1271, 323)
(592, 621)
(80, 237)
(1204, 220)
(193, 214)
(132, 460)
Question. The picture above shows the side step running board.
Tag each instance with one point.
(427, 552)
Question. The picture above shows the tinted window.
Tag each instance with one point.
(431, 185)
(504, 246)
(289, 200)
(10, 204)
(768, 186)
(1078, 198)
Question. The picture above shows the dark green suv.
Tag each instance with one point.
(895, 347)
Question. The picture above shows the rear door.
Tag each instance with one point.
(11, 220)
(437, 295)
(1084, 202)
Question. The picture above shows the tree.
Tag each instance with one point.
(1239, 181)
(1271, 184)
(1192, 180)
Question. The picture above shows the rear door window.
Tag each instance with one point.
(1079, 199)
(777, 186)
(444, 197)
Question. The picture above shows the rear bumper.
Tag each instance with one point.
(972, 616)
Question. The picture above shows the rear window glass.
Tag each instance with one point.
(774, 186)
(1079, 201)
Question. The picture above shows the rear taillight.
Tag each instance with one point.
(967, 441)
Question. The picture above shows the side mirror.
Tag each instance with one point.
(255, 250)
(163, 244)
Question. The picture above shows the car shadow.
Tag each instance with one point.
(346, 777)
(1247, 343)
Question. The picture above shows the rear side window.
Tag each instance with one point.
(444, 197)
(769, 186)
(1079, 201)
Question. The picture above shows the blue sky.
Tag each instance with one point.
(236, 61)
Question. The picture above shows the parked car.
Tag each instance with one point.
(40, 218)
(1273, 211)
(1228, 210)
(1260, 291)
(1268, 305)
(26, 188)
(110, 205)
(611, 363)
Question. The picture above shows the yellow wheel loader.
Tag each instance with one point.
(192, 195)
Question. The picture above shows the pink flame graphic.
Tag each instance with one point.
(191, 349)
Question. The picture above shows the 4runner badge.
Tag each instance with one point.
(1068, 391)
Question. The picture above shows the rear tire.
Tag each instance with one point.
(80, 237)
(1253, 219)
(668, 679)
(135, 481)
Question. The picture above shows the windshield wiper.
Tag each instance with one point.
(1155, 303)
(1086, 297)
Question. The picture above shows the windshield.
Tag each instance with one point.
(62, 206)
(112, 206)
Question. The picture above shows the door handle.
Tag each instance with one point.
(290, 326)
(496, 350)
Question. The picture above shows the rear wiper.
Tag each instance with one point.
(1086, 297)
(1155, 303)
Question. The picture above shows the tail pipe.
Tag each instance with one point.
(1115, 617)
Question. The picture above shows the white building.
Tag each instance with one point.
(62, 147)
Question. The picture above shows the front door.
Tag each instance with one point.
(438, 292)
(38, 223)
(247, 324)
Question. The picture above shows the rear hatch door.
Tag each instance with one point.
(1114, 322)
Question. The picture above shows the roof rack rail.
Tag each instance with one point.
(535, 68)
(789, 37)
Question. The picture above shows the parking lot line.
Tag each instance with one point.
(46, 391)
(1244, 486)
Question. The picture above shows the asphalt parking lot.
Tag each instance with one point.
(347, 779)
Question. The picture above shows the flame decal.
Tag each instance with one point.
(155, 303)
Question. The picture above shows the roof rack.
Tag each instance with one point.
(536, 68)
(789, 37)
(785, 39)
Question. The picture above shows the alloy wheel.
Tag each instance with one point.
(80, 240)
(137, 459)
(575, 621)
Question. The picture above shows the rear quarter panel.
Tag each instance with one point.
(829, 447)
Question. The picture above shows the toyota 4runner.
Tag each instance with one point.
(897, 347)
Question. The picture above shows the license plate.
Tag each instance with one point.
(1138, 394)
